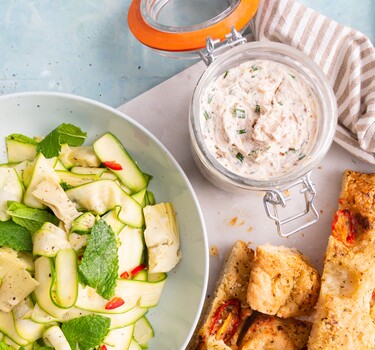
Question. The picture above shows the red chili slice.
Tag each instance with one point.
(343, 227)
(125, 275)
(103, 347)
(138, 269)
(114, 303)
(226, 320)
(111, 164)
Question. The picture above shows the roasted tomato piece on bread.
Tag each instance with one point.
(226, 312)
(226, 320)
(343, 227)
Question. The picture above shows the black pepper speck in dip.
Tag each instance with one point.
(259, 119)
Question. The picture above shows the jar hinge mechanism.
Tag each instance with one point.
(215, 46)
(279, 197)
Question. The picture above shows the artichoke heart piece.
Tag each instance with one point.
(16, 282)
(78, 156)
(161, 237)
(52, 195)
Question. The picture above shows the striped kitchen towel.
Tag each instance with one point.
(345, 55)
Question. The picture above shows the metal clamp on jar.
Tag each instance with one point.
(287, 166)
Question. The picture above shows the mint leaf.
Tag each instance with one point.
(50, 146)
(30, 218)
(15, 236)
(21, 138)
(86, 332)
(99, 265)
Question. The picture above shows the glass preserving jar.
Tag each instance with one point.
(276, 187)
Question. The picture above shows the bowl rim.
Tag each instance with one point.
(129, 119)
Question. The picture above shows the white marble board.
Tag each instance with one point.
(164, 111)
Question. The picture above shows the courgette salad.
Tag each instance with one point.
(84, 247)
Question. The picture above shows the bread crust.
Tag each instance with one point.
(232, 284)
(274, 333)
(343, 317)
(358, 195)
(282, 282)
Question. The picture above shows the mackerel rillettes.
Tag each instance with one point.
(259, 119)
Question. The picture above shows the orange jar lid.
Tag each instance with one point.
(143, 23)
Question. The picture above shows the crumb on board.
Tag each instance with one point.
(250, 229)
(233, 221)
(214, 251)
(236, 222)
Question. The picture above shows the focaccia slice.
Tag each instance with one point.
(225, 314)
(343, 319)
(274, 333)
(282, 282)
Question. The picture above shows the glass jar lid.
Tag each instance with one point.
(184, 26)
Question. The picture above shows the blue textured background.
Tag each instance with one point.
(85, 47)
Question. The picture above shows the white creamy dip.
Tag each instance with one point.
(259, 119)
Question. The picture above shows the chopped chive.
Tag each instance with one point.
(290, 149)
(254, 68)
(206, 115)
(257, 109)
(293, 76)
(242, 131)
(240, 156)
(301, 156)
(280, 103)
(239, 113)
(209, 100)
(258, 150)
(225, 74)
(255, 151)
